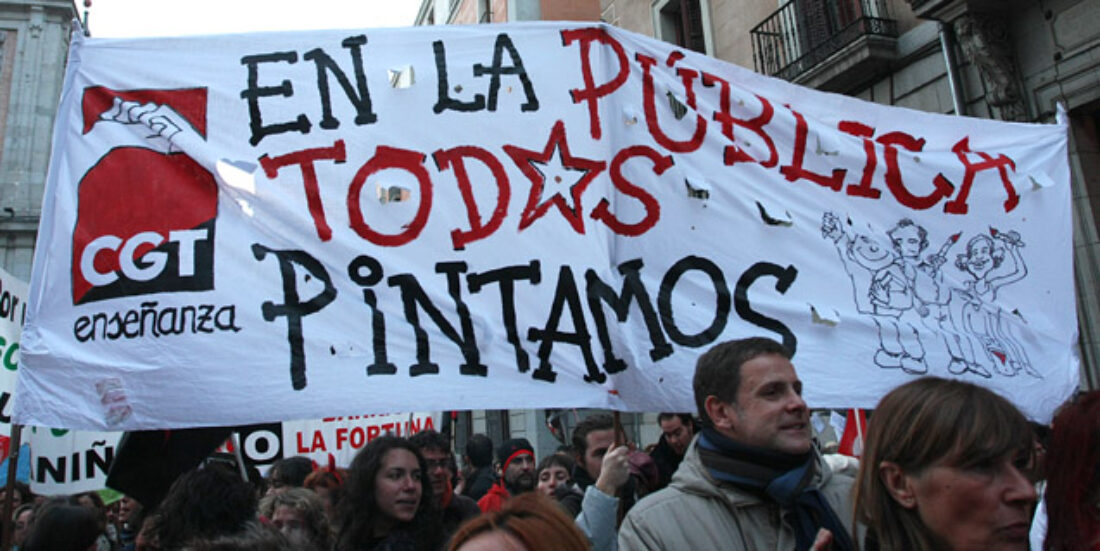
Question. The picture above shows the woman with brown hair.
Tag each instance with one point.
(945, 467)
(383, 505)
(527, 522)
(1073, 484)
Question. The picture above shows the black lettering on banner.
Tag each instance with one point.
(412, 294)
(506, 278)
(293, 307)
(45, 467)
(254, 92)
(131, 324)
(381, 365)
(359, 96)
(721, 307)
(445, 101)
(632, 291)
(168, 314)
(228, 322)
(204, 318)
(5, 409)
(504, 44)
(93, 461)
(564, 295)
(116, 321)
(151, 321)
(148, 311)
(784, 278)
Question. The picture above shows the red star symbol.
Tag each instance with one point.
(551, 171)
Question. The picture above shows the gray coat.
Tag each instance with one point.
(695, 512)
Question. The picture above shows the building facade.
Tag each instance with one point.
(34, 41)
(462, 12)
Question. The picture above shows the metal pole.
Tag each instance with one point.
(239, 454)
(13, 462)
(947, 44)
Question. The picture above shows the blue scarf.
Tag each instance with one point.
(780, 477)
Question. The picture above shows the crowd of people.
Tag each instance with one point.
(946, 465)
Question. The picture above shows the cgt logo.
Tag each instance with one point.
(145, 217)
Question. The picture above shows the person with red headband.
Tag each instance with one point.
(517, 463)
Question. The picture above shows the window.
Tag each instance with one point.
(685, 23)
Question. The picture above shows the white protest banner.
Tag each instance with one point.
(332, 440)
(336, 440)
(13, 308)
(253, 228)
(69, 462)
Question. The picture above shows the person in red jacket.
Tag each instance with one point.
(517, 463)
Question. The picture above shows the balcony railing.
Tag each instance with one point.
(803, 33)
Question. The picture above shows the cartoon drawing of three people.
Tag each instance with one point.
(900, 291)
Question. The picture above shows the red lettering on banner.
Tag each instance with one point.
(341, 437)
(373, 432)
(652, 207)
(305, 159)
(301, 446)
(725, 118)
(894, 181)
(455, 158)
(391, 158)
(592, 93)
(649, 104)
(988, 162)
(318, 441)
(795, 170)
(864, 188)
(358, 437)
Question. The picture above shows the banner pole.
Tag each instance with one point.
(859, 430)
(620, 440)
(618, 428)
(13, 462)
(239, 455)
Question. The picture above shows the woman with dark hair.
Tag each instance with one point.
(945, 467)
(205, 502)
(62, 527)
(290, 472)
(22, 520)
(554, 471)
(386, 502)
(94, 503)
(1073, 481)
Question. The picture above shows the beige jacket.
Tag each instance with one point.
(695, 512)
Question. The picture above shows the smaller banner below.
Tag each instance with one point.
(328, 441)
(70, 462)
(13, 310)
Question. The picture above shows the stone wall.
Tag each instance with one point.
(32, 63)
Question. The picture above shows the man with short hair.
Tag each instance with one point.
(441, 464)
(602, 469)
(517, 465)
(752, 478)
(479, 458)
(677, 430)
(592, 437)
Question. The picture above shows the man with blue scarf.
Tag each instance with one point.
(751, 479)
